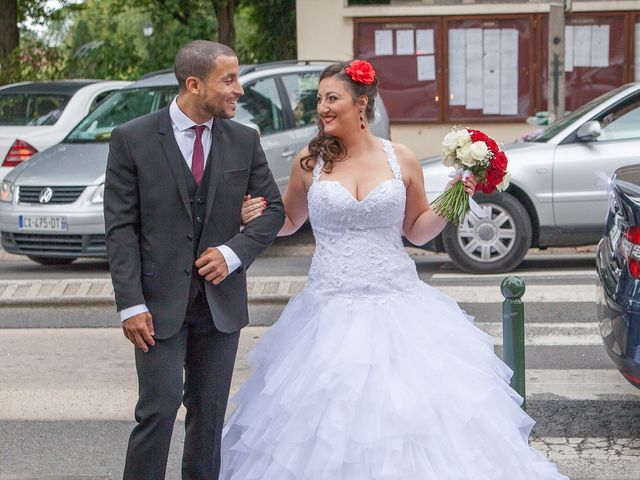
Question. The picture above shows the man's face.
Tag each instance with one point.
(222, 88)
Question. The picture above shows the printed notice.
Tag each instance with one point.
(457, 67)
(426, 67)
(491, 72)
(582, 45)
(568, 48)
(637, 50)
(600, 45)
(473, 55)
(508, 71)
(404, 42)
(384, 42)
(424, 42)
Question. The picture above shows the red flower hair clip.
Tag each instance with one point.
(361, 71)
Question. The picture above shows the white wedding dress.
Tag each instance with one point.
(371, 374)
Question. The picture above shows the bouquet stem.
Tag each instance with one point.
(452, 204)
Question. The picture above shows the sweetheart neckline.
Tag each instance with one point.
(348, 192)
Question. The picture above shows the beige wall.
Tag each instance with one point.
(324, 32)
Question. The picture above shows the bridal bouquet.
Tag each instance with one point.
(470, 152)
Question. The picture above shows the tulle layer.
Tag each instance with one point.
(399, 387)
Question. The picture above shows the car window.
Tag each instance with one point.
(31, 109)
(260, 106)
(302, 89)
(99, 98)
(622, 122)
(122, 106)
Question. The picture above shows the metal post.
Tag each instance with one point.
(555, 75)
(512, 288)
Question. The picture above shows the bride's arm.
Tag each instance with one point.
(421, 224)
(295, 197)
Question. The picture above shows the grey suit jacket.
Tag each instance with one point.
(149, 229)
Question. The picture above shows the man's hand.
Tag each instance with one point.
(139, 330)
(212, 266)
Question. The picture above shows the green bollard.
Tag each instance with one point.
(512, 288)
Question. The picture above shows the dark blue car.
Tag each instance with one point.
(618, 266)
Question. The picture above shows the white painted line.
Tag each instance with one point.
(533, 293)
(543, 274)
(550, 334)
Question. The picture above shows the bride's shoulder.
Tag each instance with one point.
(406, 158)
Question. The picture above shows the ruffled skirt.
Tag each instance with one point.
(402, 387)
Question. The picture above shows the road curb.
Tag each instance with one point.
(99, 291)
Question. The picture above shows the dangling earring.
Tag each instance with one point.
(361, 121)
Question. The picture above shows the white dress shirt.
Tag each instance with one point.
(185, 138)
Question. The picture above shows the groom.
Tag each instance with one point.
(174, 189)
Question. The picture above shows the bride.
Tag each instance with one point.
(371, 374)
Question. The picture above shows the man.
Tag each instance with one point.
(173, 196)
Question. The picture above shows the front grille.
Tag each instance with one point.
(59, 245)
(28, 194)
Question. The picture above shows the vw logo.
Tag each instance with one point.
(45, 195)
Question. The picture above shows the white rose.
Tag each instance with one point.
(449, 160)
(463, 137)
(502, 186)
(479, 151)
(449, 143)
(464, 155)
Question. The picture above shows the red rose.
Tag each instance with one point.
(499, 161)
(494, 176)
(361, 71)
(478, 136)
(485, 188)
(493, 146)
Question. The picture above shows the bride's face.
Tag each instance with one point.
(337, 109)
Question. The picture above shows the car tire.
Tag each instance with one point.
(495, 244)
(50, 261)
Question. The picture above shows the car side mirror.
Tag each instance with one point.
(589, 131)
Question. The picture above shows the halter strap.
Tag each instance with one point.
(387, 146)
(317, 170)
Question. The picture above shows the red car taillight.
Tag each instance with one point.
(631, 378)
(18, 153)
(632, 235)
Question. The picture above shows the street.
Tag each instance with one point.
(69, 386)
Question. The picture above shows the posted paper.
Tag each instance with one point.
(425, 42)
(637, 50)
(568, 48)
(473, 54)
(491, 72)
(426, 67)
(457, 67)
(600, 45)
(508, 71)
(404, 42)
(582, 46)
(384, 42)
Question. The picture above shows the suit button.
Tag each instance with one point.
(187, 271)
(199, 219)
(200, 200)
(189, 237)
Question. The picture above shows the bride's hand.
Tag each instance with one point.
(252, 208)
(469, 183)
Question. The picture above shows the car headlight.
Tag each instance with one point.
(98, 196)
(6, 191)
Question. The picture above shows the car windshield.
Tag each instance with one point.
(122, 106)
(31, 109)
(559, 125)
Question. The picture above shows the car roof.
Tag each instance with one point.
(166, 77)
(62, 87)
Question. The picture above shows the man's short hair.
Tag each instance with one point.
(198, 59)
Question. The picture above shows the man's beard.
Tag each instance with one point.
(217, 111)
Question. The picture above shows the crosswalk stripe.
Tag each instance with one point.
(542, 274)
(550, 334)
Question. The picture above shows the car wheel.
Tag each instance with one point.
(494, 244)
(52, 260)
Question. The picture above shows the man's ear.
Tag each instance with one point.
(193, 85)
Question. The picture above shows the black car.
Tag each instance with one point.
(618, 266)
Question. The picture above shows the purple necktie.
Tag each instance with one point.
(197, 160)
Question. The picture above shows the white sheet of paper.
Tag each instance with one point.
(600, 45)
(384, 42)
(426, 67)
(457, 67)
(568, 48)
(508, 71)
(637, 50)
(582, 46)
(405, 42)
(491, 72)
(473, 54)
(425, 44)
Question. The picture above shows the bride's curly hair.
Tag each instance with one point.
(330, 148)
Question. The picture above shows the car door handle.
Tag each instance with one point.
(288, 153)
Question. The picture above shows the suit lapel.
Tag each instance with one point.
(216, 156)
(173, 155)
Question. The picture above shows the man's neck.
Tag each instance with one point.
(191, 110)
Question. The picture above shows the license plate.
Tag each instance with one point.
(47, 224)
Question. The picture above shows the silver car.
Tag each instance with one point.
(51, 206)
(558, 194)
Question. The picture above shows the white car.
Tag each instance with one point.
(37, 115)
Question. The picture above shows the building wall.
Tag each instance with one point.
(325, 32)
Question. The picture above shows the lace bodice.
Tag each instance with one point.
(359, 249)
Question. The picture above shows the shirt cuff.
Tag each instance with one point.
(132, 311)
(233, 262)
